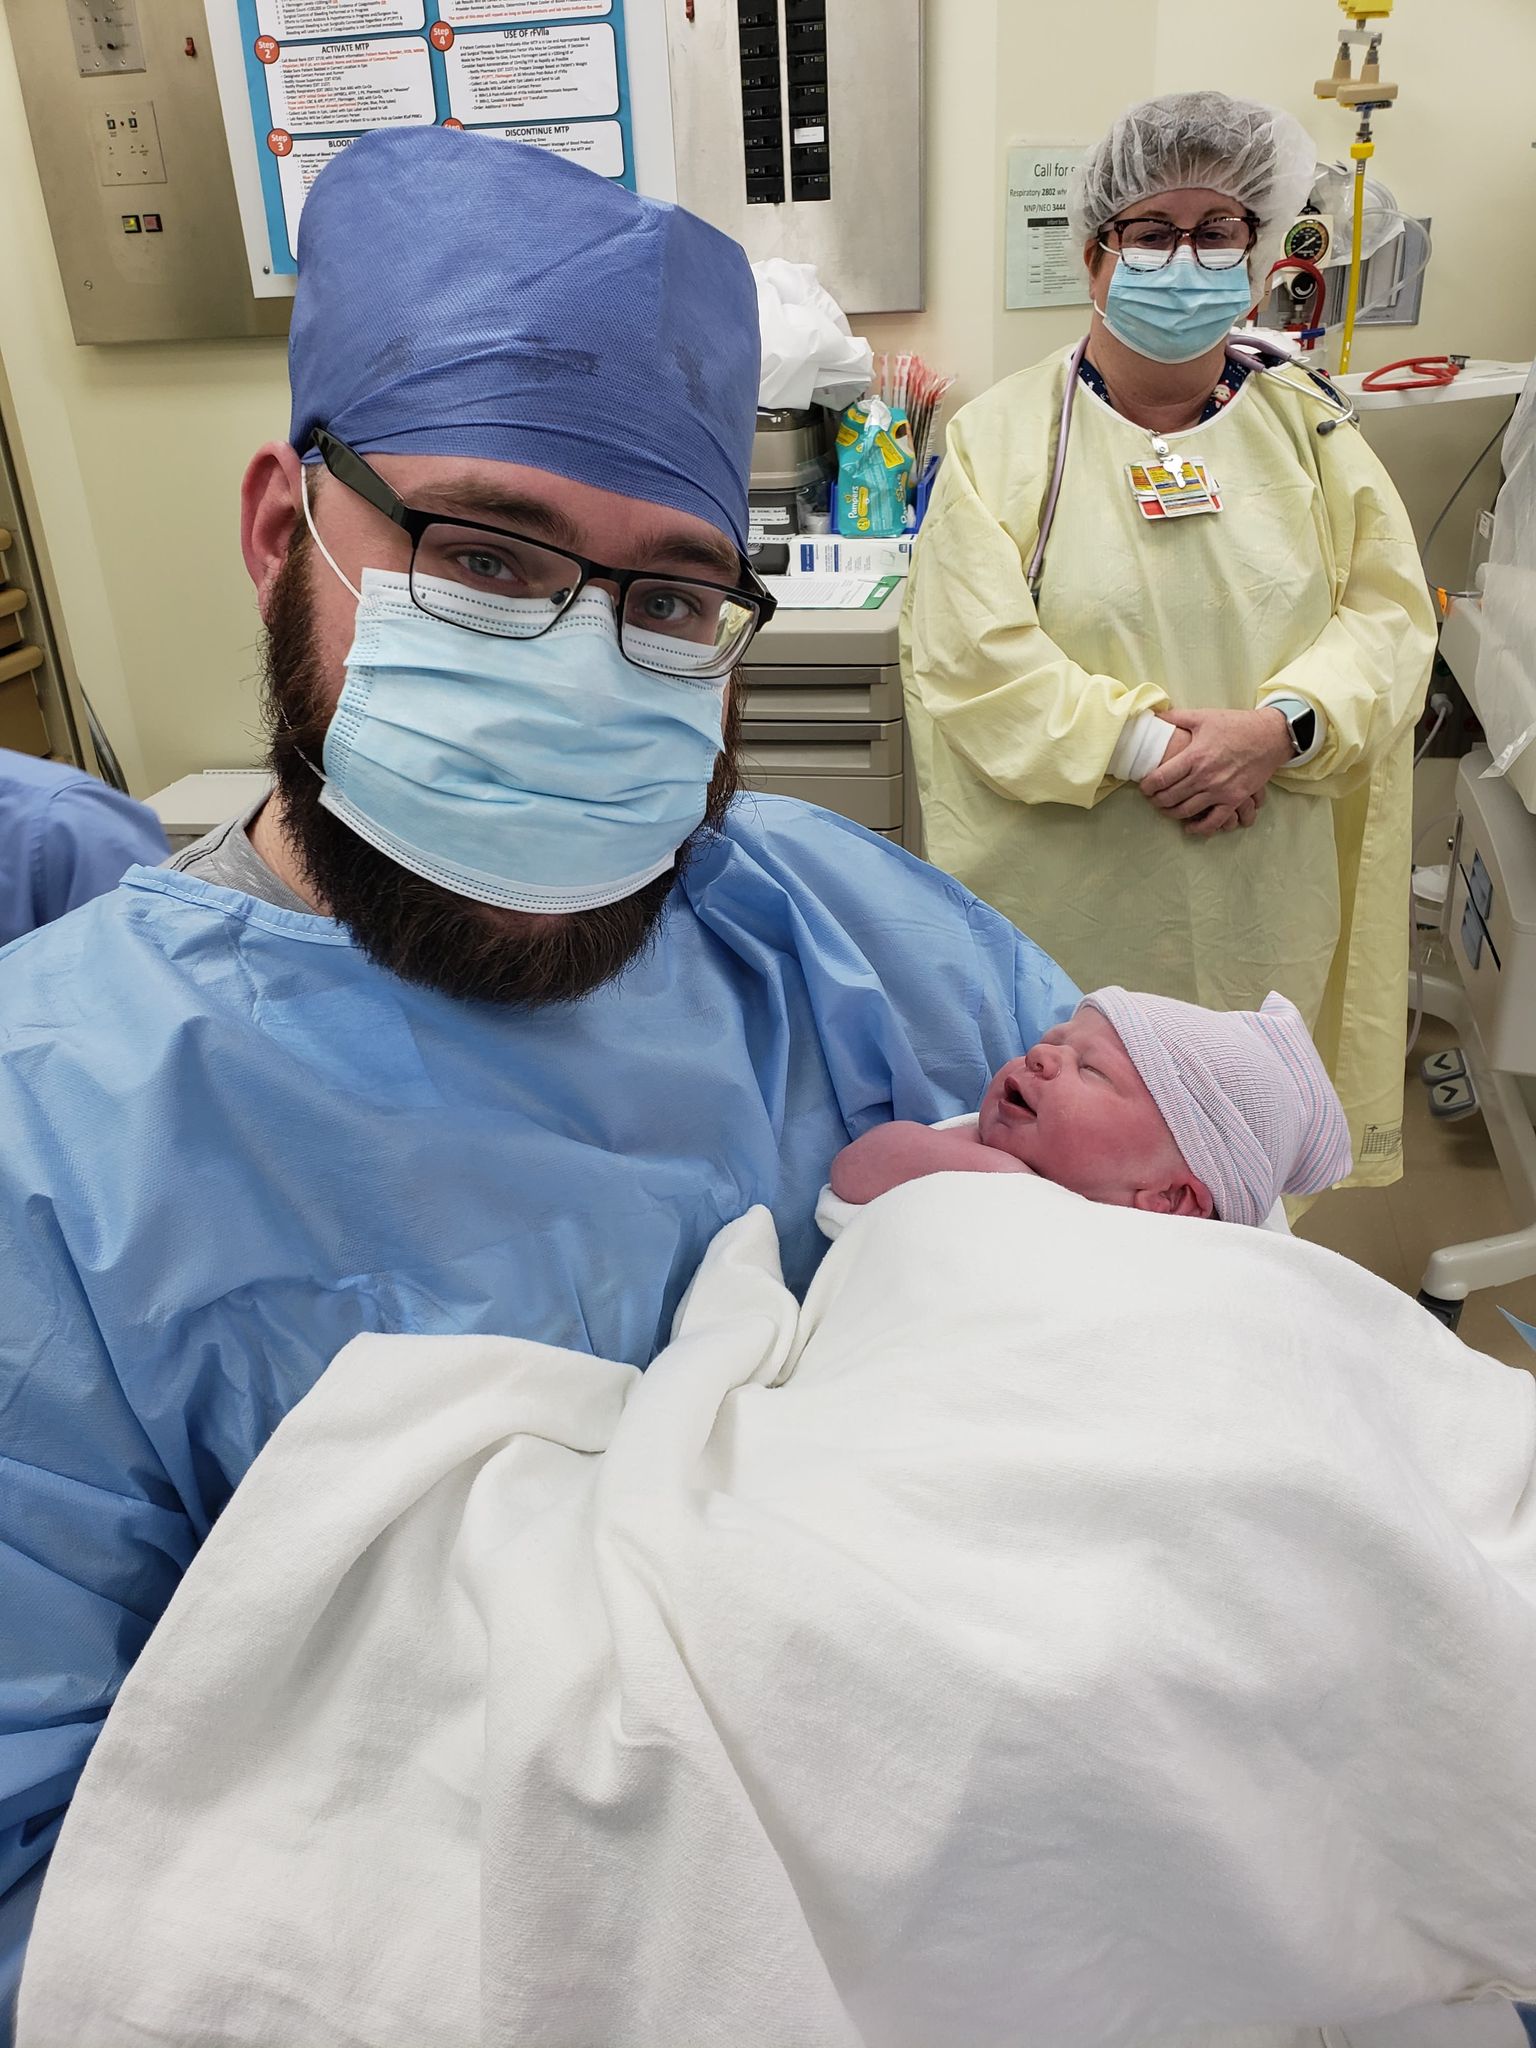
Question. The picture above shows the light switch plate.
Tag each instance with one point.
(106, 34)
(126, 141)
(192, 281)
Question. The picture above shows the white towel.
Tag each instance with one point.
(1073, 1627)
(833, 1214)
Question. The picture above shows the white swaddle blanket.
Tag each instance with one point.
(1072, 1627)
(833, 1214)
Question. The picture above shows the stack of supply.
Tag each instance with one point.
(916, 394)
(874, 462)
(886, 463)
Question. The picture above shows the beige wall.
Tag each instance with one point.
(1458, 147)
(134, 454)
(133, 459)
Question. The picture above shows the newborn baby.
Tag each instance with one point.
(1144, 1103)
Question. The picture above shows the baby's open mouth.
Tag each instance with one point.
(1014, 1099)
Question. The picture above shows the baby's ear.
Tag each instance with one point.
(1190, 1198)
(1175, 1198)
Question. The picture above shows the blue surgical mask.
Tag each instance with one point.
(546, 775)
(1178, 312)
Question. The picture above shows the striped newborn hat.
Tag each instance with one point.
(1248, 1101)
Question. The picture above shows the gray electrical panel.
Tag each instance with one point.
(123, 109)
(798, 130)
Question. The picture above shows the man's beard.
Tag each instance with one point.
(414, 927)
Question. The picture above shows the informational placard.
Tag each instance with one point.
(523, 74)
(290, 21)
(300, 80)
(298, 170)
(375, 82)
(1043, 266)
(488, 13)
(597, 144)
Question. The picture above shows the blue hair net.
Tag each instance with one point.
(460, 294)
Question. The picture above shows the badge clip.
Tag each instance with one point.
(1173, 488)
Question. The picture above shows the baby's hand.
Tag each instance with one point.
(893, 1154)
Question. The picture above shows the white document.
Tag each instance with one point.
(532, 74)
(566, 84)
(822, 593)
(318, 89)
(297, 171)
(843, 554)
(1044, 269)
(498, 13)
(297, 19)
(597, 144)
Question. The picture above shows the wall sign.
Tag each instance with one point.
(1043, 266)
(300, 80)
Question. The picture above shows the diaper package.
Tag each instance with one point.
(874, 464)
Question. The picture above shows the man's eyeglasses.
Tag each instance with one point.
(1220, 243)
(491, 581)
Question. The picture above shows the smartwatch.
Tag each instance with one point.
(1300, 720)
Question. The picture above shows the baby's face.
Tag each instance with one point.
(1074, 1109)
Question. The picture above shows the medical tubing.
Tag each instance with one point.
(1415, 943)
(1477, 462)
(1048, 514)
(106, 759)
(1417, 946)
(1252, 352)
(1434, 731)
(1357, 236)
(1434, 373)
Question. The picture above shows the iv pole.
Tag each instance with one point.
(1366, 96)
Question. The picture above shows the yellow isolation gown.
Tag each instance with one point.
(1307, 581)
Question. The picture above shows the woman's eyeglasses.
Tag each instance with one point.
(1221, 242)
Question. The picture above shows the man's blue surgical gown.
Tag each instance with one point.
(229, 1144)
(64, 838)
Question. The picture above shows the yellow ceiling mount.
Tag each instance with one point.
(1363, 95)
(1368, 90)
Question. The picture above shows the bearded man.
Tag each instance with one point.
(505, 1000)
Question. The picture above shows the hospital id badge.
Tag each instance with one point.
(1173, 488)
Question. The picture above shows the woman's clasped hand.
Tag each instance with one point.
(1217, 767)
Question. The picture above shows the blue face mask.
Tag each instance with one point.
(1178, 312)
(546, 775)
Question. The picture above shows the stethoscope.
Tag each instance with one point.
(1251, 350)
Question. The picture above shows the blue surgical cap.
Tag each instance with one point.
(460, 294)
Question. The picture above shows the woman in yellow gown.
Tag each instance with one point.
(1182, 761)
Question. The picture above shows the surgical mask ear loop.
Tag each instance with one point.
(318, 773)
(284, 719)
(314, 535)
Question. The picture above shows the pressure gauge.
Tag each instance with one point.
(1308, 240)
